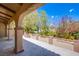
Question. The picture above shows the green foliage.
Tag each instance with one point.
(76, 35)
(30, 22)
(31, 25)
(28, 29)
(43, 18)
(71, 38)
(67, 36)
(43, 33)
(48, 33)
(59, 34)
(34, 28)
(44, 27)
(51, 33)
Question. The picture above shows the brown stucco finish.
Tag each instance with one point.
(2, 30)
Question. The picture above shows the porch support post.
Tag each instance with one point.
(5, 30)
(18, 40)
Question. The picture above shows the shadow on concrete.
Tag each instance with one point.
(30, 49)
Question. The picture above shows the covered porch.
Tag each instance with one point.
(14, 12)
(12, 41)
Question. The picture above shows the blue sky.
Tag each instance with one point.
(56, 10)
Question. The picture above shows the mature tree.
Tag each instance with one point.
(43, 18)
(30, 21)
(36, 22)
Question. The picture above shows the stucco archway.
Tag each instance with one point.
(18, 24)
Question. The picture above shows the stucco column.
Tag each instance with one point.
(5, 30)
(18, 40)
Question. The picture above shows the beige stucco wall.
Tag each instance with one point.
(11, 31)
(2, 30)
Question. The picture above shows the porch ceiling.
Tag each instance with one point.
(8, 10)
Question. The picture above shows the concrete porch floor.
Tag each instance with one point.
(34, 48)
(30, 49)
(53, 48)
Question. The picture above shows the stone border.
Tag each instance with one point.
(56, 41)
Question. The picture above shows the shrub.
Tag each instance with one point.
(71, 38)
(59, 34)
(67, 36)
(48, 33)
(43, 33)
(76, 35)
(51, 33)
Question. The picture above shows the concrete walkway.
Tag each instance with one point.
(53, 48)
(34, 48)
(30, 49)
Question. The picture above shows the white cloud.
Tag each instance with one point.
(71, 10)
(52, 16)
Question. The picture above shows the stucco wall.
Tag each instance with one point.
(11, 31)
(2, 30)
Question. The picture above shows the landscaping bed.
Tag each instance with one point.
(35, 36)
(62, 43)
(71, 45)
(47, 39)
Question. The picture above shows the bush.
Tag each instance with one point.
(67, 36)
(59, 34)
(48, 33)
(28, 30)
(51, 33)
(76, 35)
(71, 37)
